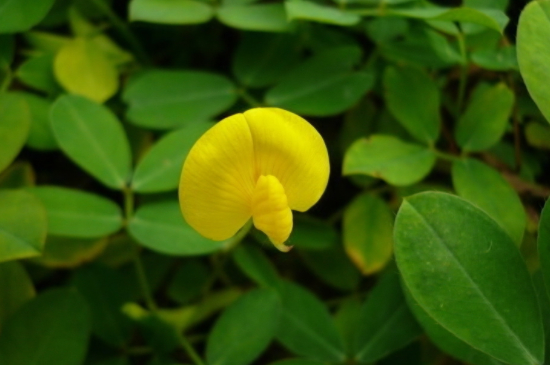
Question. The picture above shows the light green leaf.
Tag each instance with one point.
(490, 18)
(160, 169)
(255, 17)
(367, 233)
(306, 10)
(168, 99)
(17, 288)
(40, 133)
(15, 120)
(160, 227)
(413, 98)
(257, 61)
(76, 213)
(500, 59)
(100, 286)
(22, 225)
(534, 52)
(37, 72)
(20, 15)
(91, 135)
(487, 189)
(466, 273)
(82, 68)
(245, 329)
(170, 11)
(254, 263)
(306, 327)
(386, 323)
(485, 120)
(386, 157)
(303, 91)
(52, 329)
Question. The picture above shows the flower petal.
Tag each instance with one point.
(289, 148)
(218, 180)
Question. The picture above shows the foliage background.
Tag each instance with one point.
(438, 149)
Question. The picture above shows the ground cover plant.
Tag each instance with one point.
(430, 244)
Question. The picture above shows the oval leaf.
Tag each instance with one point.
(486, 117)
(169, 99)
(307, 10)
(21, 15)
(68, 252)
(23, 225)
(171, 11)
(386, 157)
(244, 329)
(160, 169)
(256, 17)
(77, 213)
(160, 227)
(466, 273)
(367, 233)
(486, 188)
(83, 68)
(15, 120)
(306, 327)
(413, 98)
(91, 135)
(534, 52)
(17, 288)
(52, 329)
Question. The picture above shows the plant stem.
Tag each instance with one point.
(144, 284)
(463, 74)
(190, 350)
(446, 156)
(124, 31)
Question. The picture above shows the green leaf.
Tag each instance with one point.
(168, 99)
(159, 170)
(52, 329)
(303, 91)
(485, 120)
(18, 175)
(100, 286)
(83, 68)
(306, 10)
(466, 273)
(387, 324)
(17, 288)
(490, 18)
(306, 327)
(37, 72)
(367, 233)
(346, 319)
(500, 59)
(245, 329)
(15, 120)
(446, 341)
(161, 227)
(254, 263)
(487, 189)
(22, 225)
(534, 52)
(46, 42)
(91, 135)
(7, 48)
(255, 17)
(257, 61)
(76, 213)
(538, 135)
(189, 281)
(310, 233)
(20, 15)
(297, 362)
(67, 252)
(386, 157)
(40, 133)
(170, 11)
(413, 98)
(543, 242)
(332, 266)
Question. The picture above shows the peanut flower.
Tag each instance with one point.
(263, 164)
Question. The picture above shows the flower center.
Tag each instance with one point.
(270, 211)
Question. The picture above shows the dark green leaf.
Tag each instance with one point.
(91, 135)
(244, 329)
(20, 15)
(17, 288)
(37, 72)
(168, 99)
(467, 274)
(52, 329)
(543, 242)
(188, 282)
(309, 233)
(40, 133)
(68, 252)
(253, 262)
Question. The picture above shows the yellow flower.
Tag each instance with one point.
(262, 164)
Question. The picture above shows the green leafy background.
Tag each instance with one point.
(430, 246)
